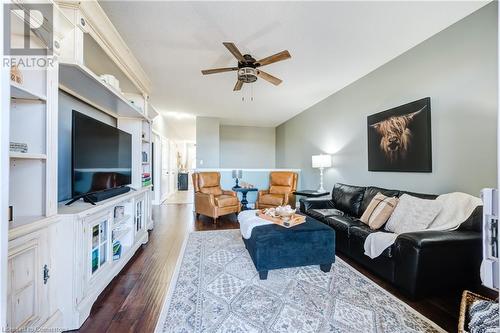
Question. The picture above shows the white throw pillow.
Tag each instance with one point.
(412, 214)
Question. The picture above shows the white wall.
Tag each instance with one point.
(207, 142)
(457, 68)
(247, 147)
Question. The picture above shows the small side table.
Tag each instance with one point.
(244, 191)
(311, 193)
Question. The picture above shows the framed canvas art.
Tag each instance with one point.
(399, 139)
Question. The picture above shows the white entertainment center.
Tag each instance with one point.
(60, 258)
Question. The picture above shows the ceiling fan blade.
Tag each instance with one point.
(218, 70)
(238, 85)
(268, 77)
(234, 50)
(283, 55)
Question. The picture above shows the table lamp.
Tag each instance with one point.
(320, 162)
(237, 174)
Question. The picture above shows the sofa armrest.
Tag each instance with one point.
(315, 203)
(440, 239)
(432, 262)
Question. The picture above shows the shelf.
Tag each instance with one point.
(145, 141)
(81, 82)
(24, 220)
(17, 91)
(28, 156)
(117, 222)
(117, 235)
(145, 163)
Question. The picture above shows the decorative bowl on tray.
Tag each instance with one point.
(283, 212)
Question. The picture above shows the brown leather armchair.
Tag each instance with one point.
(282, 184)
(209, 199)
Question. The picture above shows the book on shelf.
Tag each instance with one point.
(117, 250)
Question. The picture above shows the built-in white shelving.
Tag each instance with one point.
(81, 82)
(120, 221)
(119, 234)
(28, 156)
(18, 91)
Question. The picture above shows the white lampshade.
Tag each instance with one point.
(321, 161)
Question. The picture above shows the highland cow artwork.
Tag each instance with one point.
(399, 139)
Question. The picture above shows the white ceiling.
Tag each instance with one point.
(332, 44)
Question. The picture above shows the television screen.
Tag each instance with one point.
(102, 156)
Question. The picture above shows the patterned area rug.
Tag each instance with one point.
(217, 289)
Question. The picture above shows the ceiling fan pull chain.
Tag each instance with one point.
(251, 93)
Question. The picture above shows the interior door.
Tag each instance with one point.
(172, 167)
(165, 178)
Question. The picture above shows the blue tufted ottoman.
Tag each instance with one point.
(310, 243)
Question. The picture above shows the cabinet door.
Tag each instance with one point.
(27, 289)
(139, 214)
(99, 243)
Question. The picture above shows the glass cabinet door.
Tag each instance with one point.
(139, 215)
(99, 245)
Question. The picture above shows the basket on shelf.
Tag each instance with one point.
(468, 297)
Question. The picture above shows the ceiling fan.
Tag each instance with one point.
(248, 67)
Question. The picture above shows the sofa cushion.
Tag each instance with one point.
(271, 199)
(371, 192)
(419, 195)
(321, 214)
(342, 223)
(348, 198)
(225, 200)
(341, 226)
(361, 231)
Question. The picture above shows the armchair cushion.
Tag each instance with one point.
(278, 189)
(226, 200)
(215, 190)
(271, 199)
(282, 178)
(209, 179)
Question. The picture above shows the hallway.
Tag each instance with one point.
(180, 197)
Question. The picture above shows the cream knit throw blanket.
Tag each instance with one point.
(456, 208)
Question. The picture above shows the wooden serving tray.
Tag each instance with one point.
(294, 220)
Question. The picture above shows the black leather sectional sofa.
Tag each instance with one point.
(418, 263)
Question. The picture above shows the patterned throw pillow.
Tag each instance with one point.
(483, 317)
(379, 210)
(412, 214)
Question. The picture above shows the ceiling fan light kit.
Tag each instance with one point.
(247, 67)
(247, 74)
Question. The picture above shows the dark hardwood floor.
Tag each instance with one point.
(132, 302)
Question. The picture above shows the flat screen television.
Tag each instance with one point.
(101, 156)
